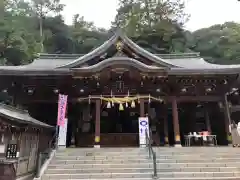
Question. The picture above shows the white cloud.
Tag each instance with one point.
(203, 13)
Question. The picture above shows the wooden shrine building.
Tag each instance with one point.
(113, 85)
(22, 138)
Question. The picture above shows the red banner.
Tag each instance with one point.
(62, 107)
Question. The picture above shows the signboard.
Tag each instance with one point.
(11, 152)
(62, 106)
(62, 134)
(143, 126)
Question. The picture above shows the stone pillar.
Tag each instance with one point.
(97, 124)
(176, 127)
(142, 110)
(166, 140)
(227, 120)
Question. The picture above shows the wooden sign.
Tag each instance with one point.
(11, 152)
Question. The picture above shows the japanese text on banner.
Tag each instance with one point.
(62, 106)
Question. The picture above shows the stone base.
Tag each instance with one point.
(142, 145)
(61, 147)
(177, 145)
(96, 146)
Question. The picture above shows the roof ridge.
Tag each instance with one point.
(179, 55)
(59, 56)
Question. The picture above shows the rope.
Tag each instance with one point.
(121, 100)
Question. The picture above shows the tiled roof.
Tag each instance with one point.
(20, 116)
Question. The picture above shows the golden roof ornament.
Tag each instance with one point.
(119, 46)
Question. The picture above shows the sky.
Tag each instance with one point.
(203, 13)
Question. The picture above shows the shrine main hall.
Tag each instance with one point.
(112, 86)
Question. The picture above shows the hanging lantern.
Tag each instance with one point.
(133, 105)
(108, 105)
(126, 104)
(121, 107)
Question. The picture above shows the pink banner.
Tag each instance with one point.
(62, 106)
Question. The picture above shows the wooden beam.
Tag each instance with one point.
(194, 98)
(165, 98)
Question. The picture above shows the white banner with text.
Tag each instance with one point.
(143, 126)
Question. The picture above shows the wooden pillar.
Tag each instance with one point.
(208, 124)
(176, 127)
(142, 110)
(166, 140)
(227, 120)
(97, 124)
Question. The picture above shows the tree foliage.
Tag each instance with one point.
(219, 43)
(26, 26)
(155, 22)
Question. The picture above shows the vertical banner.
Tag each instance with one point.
(143, 126)
(62, 106)
(62, 134)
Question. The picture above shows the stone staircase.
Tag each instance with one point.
(133, 163)
(103, 163)
(198, 163)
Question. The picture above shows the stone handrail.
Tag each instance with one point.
(235, 136)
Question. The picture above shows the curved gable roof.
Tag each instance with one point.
(113, 40)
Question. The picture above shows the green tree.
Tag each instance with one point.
(17, 35)
(41, 9)
(58, 37)
(219, 43)
(85, 35)
(156, 25)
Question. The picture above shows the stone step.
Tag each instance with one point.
(190, 156)
(136, 169)
(99, 170)
(98, 175)
(142, 175)
(100, 157)
(213, 151)
(159, 154)
(192, 178)
(145, 165)
(163, 149)
(82, 166)
(119, 161)
(138, 149)
(198, 164)
(220, 160)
